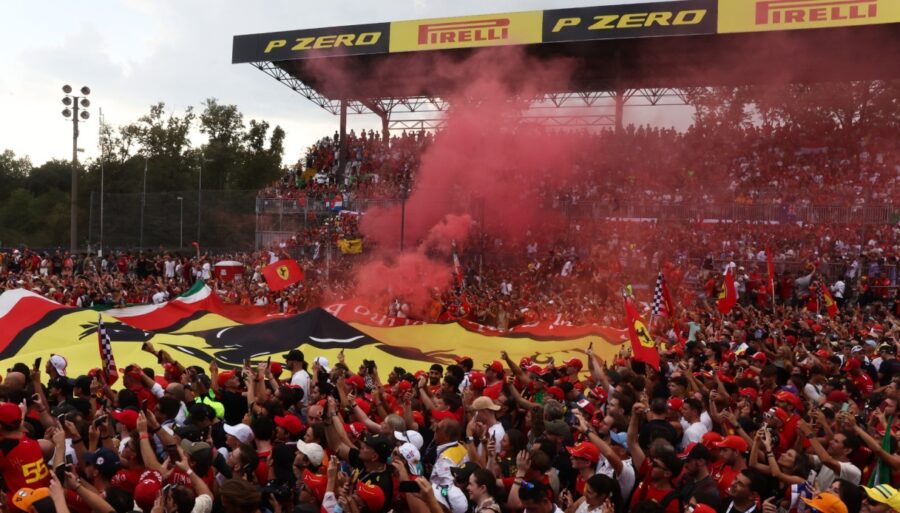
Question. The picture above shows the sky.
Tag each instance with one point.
(134, 53)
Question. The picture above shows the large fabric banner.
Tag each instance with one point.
(199, 328)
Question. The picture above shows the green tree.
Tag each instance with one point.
(13, 172)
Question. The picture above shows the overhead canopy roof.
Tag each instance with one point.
(664, 44)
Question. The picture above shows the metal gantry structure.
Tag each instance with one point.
(573, 109)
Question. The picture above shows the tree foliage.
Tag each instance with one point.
(236, 156)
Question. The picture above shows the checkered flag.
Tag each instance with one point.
(661, 301)
(820, 296)
(108, 361)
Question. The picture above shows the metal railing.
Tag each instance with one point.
(760, 213)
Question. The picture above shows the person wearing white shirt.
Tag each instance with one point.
(299, 377)
(695, 429)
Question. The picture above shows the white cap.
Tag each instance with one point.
(59, 363)
(410, 454)
(313, 452)
(240, 431)
(453, 498)
(413, 437)
(323, 362)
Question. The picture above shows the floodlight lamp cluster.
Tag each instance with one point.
(76, 101)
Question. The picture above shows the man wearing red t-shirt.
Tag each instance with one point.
(731, 451)
(21, 459)
(860, 379)
(658, 486)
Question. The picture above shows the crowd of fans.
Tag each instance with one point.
(758, 411)
(773, 408)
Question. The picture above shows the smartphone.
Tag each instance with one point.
(70, 463)
(409, 487)
(99, 421)
(37, 363)
(60, 473)
(269, 362)
(61, 418)
(845, 407)
(165, 490)
(144, 406)
(246, 362)
(173, 453)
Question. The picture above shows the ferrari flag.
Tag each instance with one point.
(728, 294)
(282, 274)
(642, 343)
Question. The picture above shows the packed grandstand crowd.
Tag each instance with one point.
(774, 408)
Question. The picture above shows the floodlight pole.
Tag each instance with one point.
(73, 215)
(76, 102)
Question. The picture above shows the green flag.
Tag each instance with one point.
(882, 472)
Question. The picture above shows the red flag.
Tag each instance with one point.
(457, 267)
(770, 269)
(728, 295)
(642, 343)
(107, 360)
(830, 305)
(282, 274)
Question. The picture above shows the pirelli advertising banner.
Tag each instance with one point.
(310, 43)
(659, 19)
(767, 15)
(517, 28)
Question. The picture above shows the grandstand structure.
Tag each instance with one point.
(631, 54)
(628, 54)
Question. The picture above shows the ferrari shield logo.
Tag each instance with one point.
(283, 272)
(643, 334)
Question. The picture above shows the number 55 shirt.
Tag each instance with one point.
(22, 464)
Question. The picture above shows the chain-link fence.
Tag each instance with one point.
(218, 220)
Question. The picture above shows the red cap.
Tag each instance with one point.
(223, 377)
(585, 450)
(525, 362)
(10, 413)
(675, 403)
(419, 374)
(789, 398)
(733, 442)
(600, 394)
(495, 366)
(372, 495)
(711, 439)
(780, 414)
(419, 418)
(476, 381)
(404, 386)
(147, 488)
(357, 381)
(556, 392)
(790, 339)
(536, 369)
(574, 362)
(291, 423)
(852, 364)
(127, 417)
(588, 409)
(172, 369)
(823, 353)
(750, 392)
(276, 369)
(318, 483)
(760, 357)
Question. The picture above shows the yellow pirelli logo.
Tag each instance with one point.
(466, 32)
(765, 15)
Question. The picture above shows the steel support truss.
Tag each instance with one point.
(563, 109)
